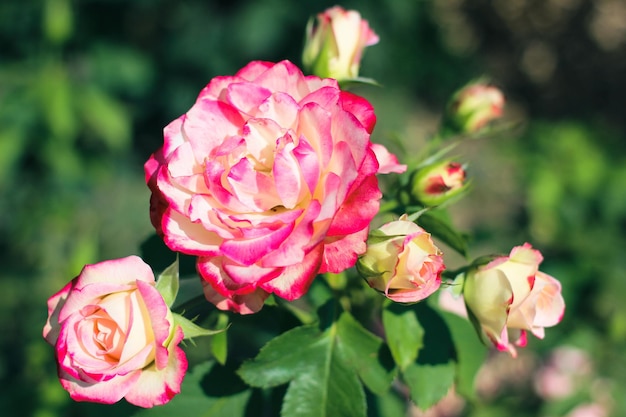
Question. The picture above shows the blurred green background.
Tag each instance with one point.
(87, 86)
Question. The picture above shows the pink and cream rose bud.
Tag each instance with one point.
(473, 107)
(335, 45)
(115, 336)
(509, 296)
(437, 183)
(402, 262)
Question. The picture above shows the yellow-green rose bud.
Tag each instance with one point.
(402, 262)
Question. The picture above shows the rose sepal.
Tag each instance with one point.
(168, 283)
(349, 82)
(191, 329)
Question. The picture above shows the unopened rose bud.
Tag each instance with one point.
(438, 183)
(473, 107)
(509, 296)
(402, 262)
(334, 46)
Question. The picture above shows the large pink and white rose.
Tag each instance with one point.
(268, 179)
(510, 296)
(115, 336)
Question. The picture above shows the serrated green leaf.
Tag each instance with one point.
(283, 358)
(168, 283)
(208, 390)
(432, 375)
(437, 225)
(470, 351)
(389, 404)
(332, 389)
(322, 364)
(429, 383)
(366, 353)
(191, 329)
(405, 335)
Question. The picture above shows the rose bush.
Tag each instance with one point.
(268, 179)
(510, 296)
(335, 45)
(115, 337)
(402, 262)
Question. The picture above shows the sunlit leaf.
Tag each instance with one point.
(429, 383)
(58, 20)
(168, 283)
(365, 353)
(404, 334)
(57, 102)
(323, 366)
(219, 343)
(106, 117)
(471, 353)
(432, 375)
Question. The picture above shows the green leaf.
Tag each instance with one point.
(470, 350)
(191, 329)
(330, 390)
(168, 282)
(436, 223)
(323, 365)
(58, 20)
(432, 375)
(106, 117)
(390, 404)
(208, 390)
(429, 383)
(57, 95)
(366, 353)
(405, 335)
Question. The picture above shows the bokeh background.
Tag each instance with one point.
(86, 87)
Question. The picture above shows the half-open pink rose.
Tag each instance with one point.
(510, 296)
(115, 337)
(269, 178)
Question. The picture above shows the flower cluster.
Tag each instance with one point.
(268, 180)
